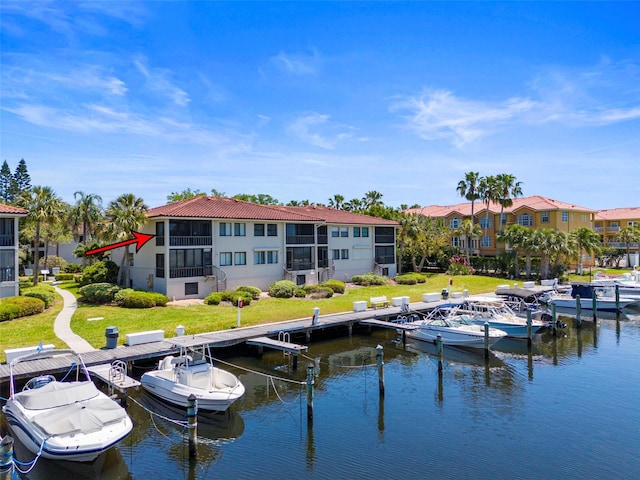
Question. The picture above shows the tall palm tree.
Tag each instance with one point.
(627, 235)
(468, 188)
(488, 192)
(88, 210)
(44, 207)
(514, 236)
(507, 189)
(468, 230)
(372, 198)
(586, 240)
(126, 214)
(336, 202)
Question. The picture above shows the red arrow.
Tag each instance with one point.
(141, 239)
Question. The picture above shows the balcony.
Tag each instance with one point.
(7, 241)
(184, 272)
(613, 229)
(189, 241)
(300, 240)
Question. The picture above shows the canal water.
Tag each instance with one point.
(568, 409)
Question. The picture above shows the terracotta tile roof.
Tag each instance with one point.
(632, 213)
(331, 215)
(221, 207)
(8, 209)
(535, 202)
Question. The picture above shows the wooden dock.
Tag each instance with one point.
(220, 339)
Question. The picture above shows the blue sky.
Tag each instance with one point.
(306, 100)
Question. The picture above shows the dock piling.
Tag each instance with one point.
(486, 339)
(310, 382)
(554, 319)
(529, 329)
(6, 457)
(192, 419)
(440, 354)
(594, 304)
(578, 312)
(380, 363)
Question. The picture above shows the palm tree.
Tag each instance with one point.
(126, 214)
(506, 190)
(88, 210)
(514, 236)
(468, 230)
(587, 240)
(408, 230)
(468, 188)
(488, 192)
(336, 202)
(44, 207)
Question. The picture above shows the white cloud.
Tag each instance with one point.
(315, 129)
(297, 64)
(158, 81)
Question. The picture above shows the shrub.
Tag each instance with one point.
(63, 277)
(121, 295)
(253, 291)
(15, 307)
(226, 296)
(138, 300)
(411, 278)
(72, 268)
(100, 272)
(160, 299)
(300, 293)
(460, 266)
(46, 293)
(369, 279)
(99, 293)
(318, 291)
(24, 283)
(282, 289)
(214, 298)
(336, 285)
(52, 261)
(246, 298)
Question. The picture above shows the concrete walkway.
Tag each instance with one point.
(62, 324)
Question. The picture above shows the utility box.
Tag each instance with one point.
(112, 337)
(445, 294)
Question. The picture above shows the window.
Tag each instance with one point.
(356, 231)
(272, 230)
(335, 232)
(544, 217)
(265, 257)
(503, 219)
(225, 229)
(335, 254)
(583, 217)
(258, 230)
(300, 258)
(526, 220)
(300, 233)
(239, 229)
(240, 258)
(159, 234)
(565, 216)
(7, 232)
(131, 259)
(344, 231)
(7, 265)
(455, 242)
(189, 262)
(485, 241)
(486, 222)
(160, 265)
(454, 223)
(344, 254)
(191, 288)
(225, 259)
(385, 235)
(365, 232)
(385, 255)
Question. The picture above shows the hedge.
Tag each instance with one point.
(130, 298)
(253, 291)
(411, 278)
(337, 286)
(282, 289)
(46, 293)
(63, 277)
(15, 307)
(369, 279)
(99, 293)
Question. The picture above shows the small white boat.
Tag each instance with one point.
(628, 284)
(455, 330)
(499, 315)
(64, 420)
(605, 301)
(177, 378)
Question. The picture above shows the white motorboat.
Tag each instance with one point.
(628, 284)
(456, 330)
(190, 373)
(499, 315)
(605, 300)
(64, 420)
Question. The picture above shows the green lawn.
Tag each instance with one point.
(32, 330)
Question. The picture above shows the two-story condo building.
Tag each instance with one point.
(207, 244)
(610, 224)
(9, 217)
(534, 212)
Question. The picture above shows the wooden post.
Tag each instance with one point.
(295, 361)
(380, 363)
(350, 329)
(578, 311)
(192, 419)
(594, 304)
(617, 298)
(529, 328)
(6, 458)
(554, 319)
(440, 354)
(486, 339)
(310, 382)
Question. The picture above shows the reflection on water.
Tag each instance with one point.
(553, 397)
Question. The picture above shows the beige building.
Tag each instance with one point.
(610, 224)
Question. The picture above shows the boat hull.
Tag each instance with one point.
(454, 338)
(604, 305)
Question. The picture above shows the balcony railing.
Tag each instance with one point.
(300, 265)
(183, 272)
(300, 239)
(7, 241)
(613, 229)
(182, 241)
(385, 239)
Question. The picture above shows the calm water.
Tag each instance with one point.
(570, 409)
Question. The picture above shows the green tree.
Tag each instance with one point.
(468, 230)
(22, 180)
(44, 207)
(430, 240)
(407, 231)
(336, 202)
(7, 184)
(260, 199)
(628, 235)
(586, 240)
(468, 188)
(126, 214)
(515, 236)
(488, 192)
(507, 188)
(185, 194)
(86, 212)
